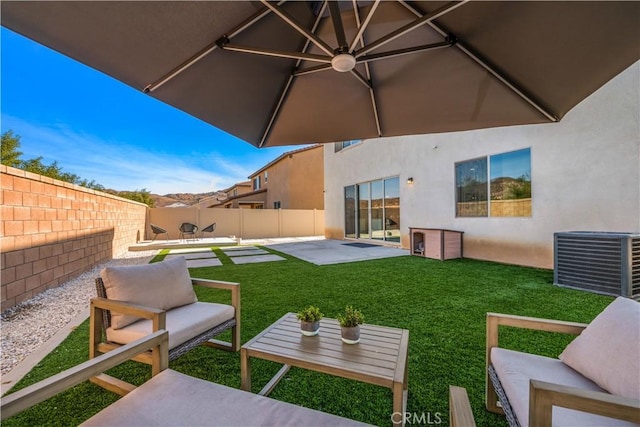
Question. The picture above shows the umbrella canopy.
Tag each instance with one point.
(304, 72)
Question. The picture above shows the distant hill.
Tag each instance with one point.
(186, 198)
(506, 187)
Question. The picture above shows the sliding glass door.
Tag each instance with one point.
(363, 211)
(350, 211)
(372, 210)
(392, 209)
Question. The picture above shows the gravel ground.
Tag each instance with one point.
(31, 323)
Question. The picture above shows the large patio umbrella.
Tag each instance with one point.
(304, 72)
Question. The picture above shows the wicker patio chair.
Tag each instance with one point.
(158, 230)
(188, 229)
(184, 334)
(208, 229)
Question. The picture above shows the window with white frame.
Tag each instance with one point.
(256, 183)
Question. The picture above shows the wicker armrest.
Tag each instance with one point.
(543, 396)
(36, 393)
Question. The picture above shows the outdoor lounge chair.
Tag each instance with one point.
(594, 382)
(170, 398)
(187, 229)
(134, 301)
(158, 230)
(208, 229)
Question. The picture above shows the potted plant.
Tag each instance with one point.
(350, 322)
(310, 320)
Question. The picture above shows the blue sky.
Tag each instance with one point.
(103, 130)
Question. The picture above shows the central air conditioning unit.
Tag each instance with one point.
(601, 262)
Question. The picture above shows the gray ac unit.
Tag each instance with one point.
(601, 262)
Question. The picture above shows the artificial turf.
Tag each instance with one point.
(442, 304)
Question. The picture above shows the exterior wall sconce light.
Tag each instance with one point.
(410, 180)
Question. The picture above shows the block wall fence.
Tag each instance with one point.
(52, 231)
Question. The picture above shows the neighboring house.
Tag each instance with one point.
(234, 197)
(508, 189)
(210, 201)
(294, 180)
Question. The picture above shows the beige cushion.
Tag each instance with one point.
(183, 323)
(162, 285)
(174, 399)
(516, 369)
(608, 350)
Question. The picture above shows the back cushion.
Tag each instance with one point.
(162, 285)
(607, 351)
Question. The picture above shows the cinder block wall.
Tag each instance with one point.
(52, 231)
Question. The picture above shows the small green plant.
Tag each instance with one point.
(351, 317)
(310, 314)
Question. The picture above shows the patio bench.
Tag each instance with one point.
(594, 382)
(170, 398)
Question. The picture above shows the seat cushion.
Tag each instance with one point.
(608, 350)
(174, 399)
(162, 285)
(183, 323)
(516, 369)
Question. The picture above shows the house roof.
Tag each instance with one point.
(283, 156)
(237, 184)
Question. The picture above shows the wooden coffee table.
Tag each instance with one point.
(380, 358)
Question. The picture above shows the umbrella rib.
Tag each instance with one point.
(277, 53)
(410, 27)
(362, 79)
(312, 70)
(484, 64)
(364, 25)
(285, 91)
(286, 17)
(360, 38)
(207, 50)
(405, 51)
(336, 18)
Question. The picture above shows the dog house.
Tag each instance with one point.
(436, 243)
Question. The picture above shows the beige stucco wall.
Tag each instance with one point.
(296, 180)
(244, 223)
(585, 176)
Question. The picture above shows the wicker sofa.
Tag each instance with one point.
(594, 382)
(170, 398)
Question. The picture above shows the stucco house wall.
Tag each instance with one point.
(585, 176)
(295, 179)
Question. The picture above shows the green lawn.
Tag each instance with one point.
(442, 304)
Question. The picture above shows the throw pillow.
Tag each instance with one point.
(162, 285)
(607, 350)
